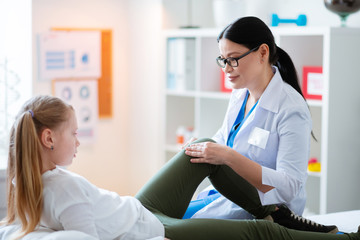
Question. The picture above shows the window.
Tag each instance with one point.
(15, 65)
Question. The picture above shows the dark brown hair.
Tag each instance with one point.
(252, 32)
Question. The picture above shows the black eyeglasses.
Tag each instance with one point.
(233, 62)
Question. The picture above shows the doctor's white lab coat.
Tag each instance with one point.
(277, 136)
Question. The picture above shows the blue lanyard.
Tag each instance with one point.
(239, 121)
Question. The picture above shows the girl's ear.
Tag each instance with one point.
(47, 138)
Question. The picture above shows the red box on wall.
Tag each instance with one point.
(225, 85)
(312, 85)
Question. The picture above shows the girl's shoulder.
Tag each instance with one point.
(65, 187)
(60, 172)
(63, 178)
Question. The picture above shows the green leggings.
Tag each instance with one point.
(168, 194)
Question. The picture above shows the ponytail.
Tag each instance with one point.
(28, 174)
(25, 199)
(287, 69)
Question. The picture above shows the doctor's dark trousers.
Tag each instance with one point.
(168, 194)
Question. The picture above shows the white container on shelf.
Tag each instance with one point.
(226, 11)
(181, 72)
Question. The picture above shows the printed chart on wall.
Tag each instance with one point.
(105, 91)
(71, 53)
(82, 95)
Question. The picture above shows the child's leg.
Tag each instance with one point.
(205, 229)
(172, 188)
(238, 190)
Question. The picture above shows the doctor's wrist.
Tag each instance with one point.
(230, 156)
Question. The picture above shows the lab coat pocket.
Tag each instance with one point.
(259, 137)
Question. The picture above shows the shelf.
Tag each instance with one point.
(222, 95)
(215, 95)
(208, 94)
(178, 93)
(214, 32)
(314, 174)
(204, 105)
(203, 32)
(314, 103)
(299, 31)
(172, 148)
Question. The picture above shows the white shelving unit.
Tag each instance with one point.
(335, 117)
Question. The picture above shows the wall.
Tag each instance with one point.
(125, 142)
(127, 152)
(145, 85)
(15, 55)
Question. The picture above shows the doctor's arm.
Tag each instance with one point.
(290, 174)
(294, 141)
(217, 154)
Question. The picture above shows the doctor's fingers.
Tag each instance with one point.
(209, 160)
(195, 147)
(195, 151)
(199, 160)
(203, 146)
(188, 142)
(199, 150)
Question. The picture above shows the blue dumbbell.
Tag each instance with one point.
(300, 21)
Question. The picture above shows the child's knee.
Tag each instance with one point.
(203, 140)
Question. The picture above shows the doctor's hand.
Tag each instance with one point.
(208, 152)
(188, 142)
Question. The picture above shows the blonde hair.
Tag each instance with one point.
(24, 182)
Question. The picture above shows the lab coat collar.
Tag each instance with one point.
(270, 99)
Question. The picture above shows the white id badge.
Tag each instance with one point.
(259, 137)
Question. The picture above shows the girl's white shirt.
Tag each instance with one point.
(73, 203)
(277, 136)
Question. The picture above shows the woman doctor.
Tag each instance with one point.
(265, 136)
